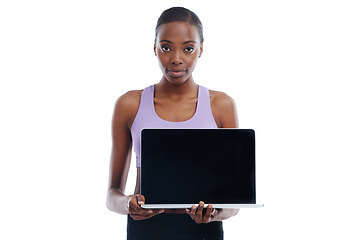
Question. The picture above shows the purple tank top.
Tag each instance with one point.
(146, 117)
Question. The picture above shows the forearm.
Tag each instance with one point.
(117, 201)
(223, 214)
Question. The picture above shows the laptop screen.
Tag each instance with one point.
(182, 166)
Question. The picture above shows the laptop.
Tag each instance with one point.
(181, 167)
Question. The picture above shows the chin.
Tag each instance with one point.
(177, 81)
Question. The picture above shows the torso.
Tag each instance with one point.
(171, 110)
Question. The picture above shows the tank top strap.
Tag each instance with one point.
(146, 102)
(204, 112)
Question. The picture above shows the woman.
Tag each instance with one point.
(175, 102)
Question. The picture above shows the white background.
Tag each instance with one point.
(291, 66)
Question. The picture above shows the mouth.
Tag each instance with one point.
(176, 72)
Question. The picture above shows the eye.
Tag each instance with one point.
(165, 48)
(189, 49)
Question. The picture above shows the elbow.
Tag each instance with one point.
(236, 211)
(108, 204)
(109, 201)
(116, 201)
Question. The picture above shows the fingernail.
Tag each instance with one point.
(150, 211)
(161, 211)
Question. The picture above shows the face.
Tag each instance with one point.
(177, 47)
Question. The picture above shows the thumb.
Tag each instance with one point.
(140, 199)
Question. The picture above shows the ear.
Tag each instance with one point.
(155, 49)
(201, 50)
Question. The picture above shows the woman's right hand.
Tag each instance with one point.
(139, 213)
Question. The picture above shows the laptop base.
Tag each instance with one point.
(182, 206)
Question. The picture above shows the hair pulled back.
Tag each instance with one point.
(180, 14)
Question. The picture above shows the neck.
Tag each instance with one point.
(165, 89)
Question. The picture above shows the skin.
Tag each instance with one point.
(177, 48)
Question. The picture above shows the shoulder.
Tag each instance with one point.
(129, 99)
(127, 105)
(221, 100)
(224, 109)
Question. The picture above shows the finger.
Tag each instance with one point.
(214, 212)
(153, 211)
(136, 216)
(143, 215)
(136, 202)
(207, 215)
(138, 210)
(192, 211)
(133, 205)
(199, 212)
(200, 209)
(208, 211)
(145, 211)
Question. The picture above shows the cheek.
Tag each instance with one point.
(192, 61)
(162, 61)
(163, 64)
(162, 58)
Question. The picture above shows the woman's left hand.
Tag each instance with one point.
(196, 213)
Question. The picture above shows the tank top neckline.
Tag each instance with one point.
(152, 89)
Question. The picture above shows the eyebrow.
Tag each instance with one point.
(191, 41)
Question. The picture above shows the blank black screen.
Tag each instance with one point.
(182, 166)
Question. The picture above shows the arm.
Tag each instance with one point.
(124, 113)
(120, 158)
(224, 112)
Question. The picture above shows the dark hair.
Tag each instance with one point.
(180, 14)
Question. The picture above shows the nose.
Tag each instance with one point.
(177, 58)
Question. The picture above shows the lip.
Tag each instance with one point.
(176, 72)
